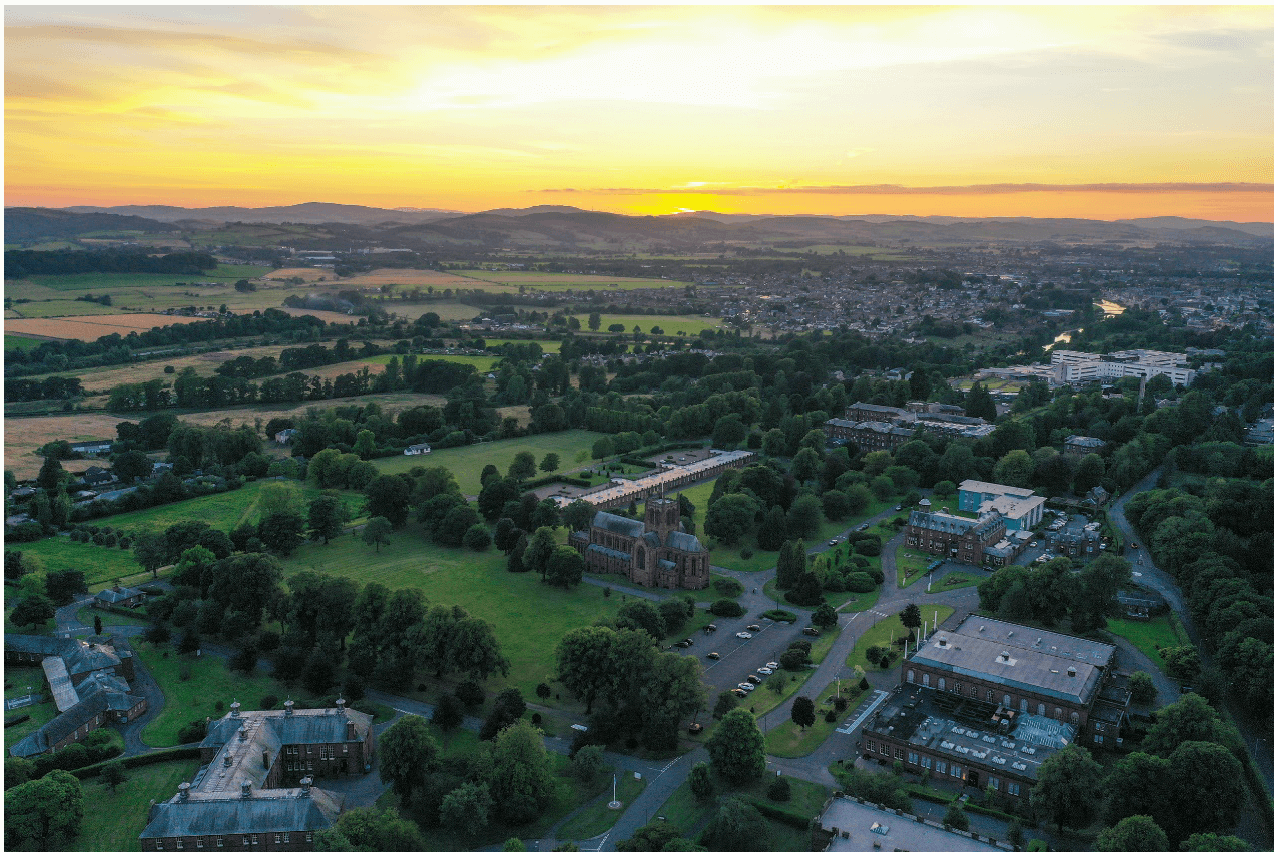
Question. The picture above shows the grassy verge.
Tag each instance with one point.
(113, 819)
(698, 595)
(880, 633)
(1148, 636)
(953, 581)
(911, 565)
(111, 619)
(840, 601)
(788, 740)
(208, 683)
(99, 564)
(763, 699)
(597, 817)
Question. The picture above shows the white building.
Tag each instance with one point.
(1139, 363)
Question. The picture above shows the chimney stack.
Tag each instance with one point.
(245, 789)
(1071, 671)
(183, 791)
(243, 733)
(234, 709)
(340, 706)
(305, 787)
(287, 707)
(227, 761)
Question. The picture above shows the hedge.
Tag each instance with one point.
(774, 812)
(16, 720)
(164, 756)
(779, 615)
(532, 484)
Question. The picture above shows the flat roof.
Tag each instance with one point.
(1012, 507)
(1045, 641)
(860, 827)
(994, 488)
(1025, 669)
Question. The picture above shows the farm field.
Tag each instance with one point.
(483, 363)
(60, 308)
(23, 436)
(12, 341)
(466, 463)
(408, 279)
(308, 273)
(101, 281)
(446, 310)
(529, 617)
(253, 234)
(561, 280)
(90, 328)
(671, 324)
(112, 820)
(326, 316)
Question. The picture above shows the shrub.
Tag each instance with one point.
(726, 609)
(859, 583)
(269, 702)
(779, 790)
(194, 732)
(727, 587)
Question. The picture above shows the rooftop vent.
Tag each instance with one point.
(1071, 671)
(340, 706)
(183, 791)
(234, 708)
(243, 732)
(287, 707)
(305, 786)
(245, 789)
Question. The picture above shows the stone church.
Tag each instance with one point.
(657, 553)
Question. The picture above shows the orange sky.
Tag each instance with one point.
(1098, 112)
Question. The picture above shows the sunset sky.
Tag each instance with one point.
(1097, 112)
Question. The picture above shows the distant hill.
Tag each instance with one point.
(33, 224)
(309, 213)
(560, 227)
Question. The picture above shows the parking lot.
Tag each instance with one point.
(741, 657)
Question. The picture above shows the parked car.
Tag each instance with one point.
(754, 627)
(772, 666)
(695, 728)
(898, 508)
(753, 679)
(713, 655)
(709, 628)
(747, 687)
(765, 670)
(810, 631)
(684, 643)
(1134, 545)
(743, 634)
(739, 693)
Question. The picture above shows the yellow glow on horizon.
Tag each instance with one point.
(643, 109)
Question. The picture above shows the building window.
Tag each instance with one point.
(159, 844)
(955, 770)
(345, 749)
(199, 843)
(993, 783)
(221, 841)
(959, 689)
(990, 695)
(256, 838)
(1098, 738)
(285, 837)
(897, 753)
(911, 675)
(913, 758)
(871, 746)
(925, 679)
(940, 767)
(1040, 711)
(309, 837)
(180, 843)
(245, 840)
(942, 683)
(1015, 789)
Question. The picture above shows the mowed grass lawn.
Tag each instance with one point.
(1149, 636)
(196, 696)
(529, 616)
(597, 816)
(16, 681)
(12, 341)
(112, 820)
(223, 511)
(889, 628)
(466, 463)
(99, 564)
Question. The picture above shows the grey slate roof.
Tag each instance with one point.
(259, 814)
(618, 524)
(1043, 641)
(1026, 668)
(608, 551)
(684, 541)
(114, 596)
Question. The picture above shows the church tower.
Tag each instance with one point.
(663, 515)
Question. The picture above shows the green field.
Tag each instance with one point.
(111, 280)
(99, 564)
(12, 341)
(223, 511)
(16, 681)
(62, 308)
(558, 280)
(466, 463)
(209, 682)
(1162, 631)
(483, 363)
(953, 581)
(529, 616)
(672, 325)
(112, 820)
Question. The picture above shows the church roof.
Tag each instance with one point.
(618, 524)
(684, 541)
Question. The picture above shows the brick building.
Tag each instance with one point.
(656, 553)
(89, 683)
(988, 701)
(962, 539)
(256, 787)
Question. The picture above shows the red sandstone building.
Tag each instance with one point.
(962, 539)
(656, 553)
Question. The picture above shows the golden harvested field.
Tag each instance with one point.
(560, 280)
(309, 273)
(91, 328)
(24, 435)
(102, 379)
(449, 311)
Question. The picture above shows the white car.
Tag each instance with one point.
(772, 666)
(747, 687)
(743, 634)
(765, 670)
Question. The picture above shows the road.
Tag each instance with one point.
(1162, 582)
